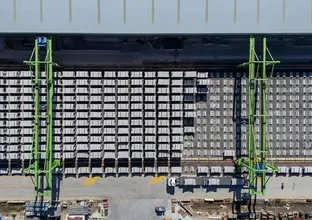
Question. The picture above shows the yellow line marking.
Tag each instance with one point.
(152, 180)
(87, 181)
(159, 179)
(156, 179)
(93, 180)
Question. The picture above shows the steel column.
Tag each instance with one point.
(251, 110)
(42, 175)
(257, 161)
(263, 114)
(36, 116)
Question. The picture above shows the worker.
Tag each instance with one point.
(282, 186)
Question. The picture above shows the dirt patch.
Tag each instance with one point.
(203, 210)
(210, 209)
(11, 209)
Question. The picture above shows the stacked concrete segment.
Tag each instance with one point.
(136, 122)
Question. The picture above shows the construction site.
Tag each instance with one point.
(155, 109)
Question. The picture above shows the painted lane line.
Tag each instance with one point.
(159, 179)
(156, 179)
(87, 181)
(93, 180)
(152, 180)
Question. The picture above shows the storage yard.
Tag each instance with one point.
(134, 122)
(155, 109)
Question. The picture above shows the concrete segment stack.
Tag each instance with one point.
(144, 122)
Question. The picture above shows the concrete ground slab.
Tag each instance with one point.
(21, 188)
(135, 209)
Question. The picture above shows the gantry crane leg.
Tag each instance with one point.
(257, 162)
(42, 176)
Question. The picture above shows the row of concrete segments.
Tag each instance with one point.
(164, 170)
(229, 170)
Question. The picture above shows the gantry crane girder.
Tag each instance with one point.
(257, 162)
(42, 176)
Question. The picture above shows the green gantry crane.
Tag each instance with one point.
(257, 162)
(42, 173)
